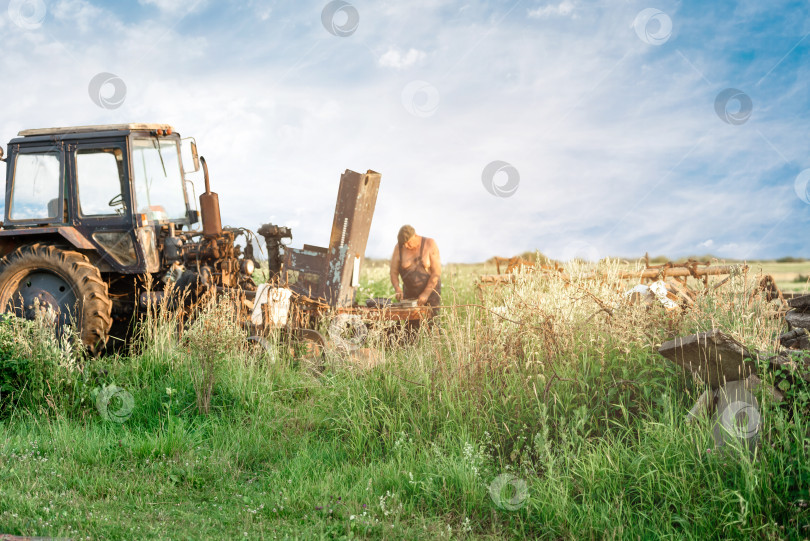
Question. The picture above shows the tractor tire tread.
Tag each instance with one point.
(92, 292)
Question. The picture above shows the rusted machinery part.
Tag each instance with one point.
(512, 263)
(509, 277)
(306, 312)
(314, 345)
(209, 207)
(651, 273)
(683, 291)
(329, 273)
(497, 278)
(395, 312)
(767, 285)
(309, 302)
(309, 335)
(498, 261)
(682, 272)
(689, 263)
(518, 263)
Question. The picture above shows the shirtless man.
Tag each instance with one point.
(416, 260)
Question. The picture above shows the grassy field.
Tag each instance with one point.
(788, 276)
(527, 412)
(792, 276)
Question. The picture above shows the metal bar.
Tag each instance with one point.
(673, 272)
(391, 313)
(354, 211)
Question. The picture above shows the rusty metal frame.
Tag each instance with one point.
(329, 273)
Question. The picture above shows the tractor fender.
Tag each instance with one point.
(72, 235)
(17, 237)
(11, 239)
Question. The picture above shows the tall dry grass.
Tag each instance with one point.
(554, 382)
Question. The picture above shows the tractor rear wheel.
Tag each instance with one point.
(62, 281)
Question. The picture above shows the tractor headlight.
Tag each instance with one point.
(248, 267)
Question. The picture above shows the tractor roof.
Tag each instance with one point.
(101, 128)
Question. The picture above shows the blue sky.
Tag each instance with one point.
(605, 111)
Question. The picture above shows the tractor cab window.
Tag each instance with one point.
(35, 193)
(100, 173)
(158, 179)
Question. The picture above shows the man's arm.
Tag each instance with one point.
(435, 273)
(395, 273)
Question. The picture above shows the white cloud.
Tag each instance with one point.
(172, 6)
(706, 244)
(563, 9)
(615, 148)
(397, 60)
(80, 13)
(264, 14)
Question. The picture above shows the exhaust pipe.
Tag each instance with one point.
(209, 207)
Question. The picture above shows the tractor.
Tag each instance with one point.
(99, 222)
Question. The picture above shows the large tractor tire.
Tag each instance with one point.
(64, 282)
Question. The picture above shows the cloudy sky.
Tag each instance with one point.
(579, 128)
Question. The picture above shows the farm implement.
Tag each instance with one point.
(99, 224)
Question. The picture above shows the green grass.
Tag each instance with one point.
(578, 408)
